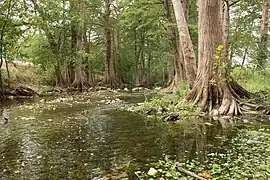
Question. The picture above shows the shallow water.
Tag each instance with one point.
(90, 137)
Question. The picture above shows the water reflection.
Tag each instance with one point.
(87, 141)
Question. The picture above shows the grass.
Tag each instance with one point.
(253, 80)
(169, 103)
(27, 75)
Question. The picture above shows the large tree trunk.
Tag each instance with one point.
(78, 81)
(213, 90)
(186, 42)
(87, 44)
(111, 77)
(263, 48)
(175, 65)
(140, 62)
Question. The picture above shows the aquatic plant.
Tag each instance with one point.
(246, 157)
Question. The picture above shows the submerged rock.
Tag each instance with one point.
(136, 89)
(152, 172)
(5, 115)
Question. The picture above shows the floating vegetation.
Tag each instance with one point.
(247, 156)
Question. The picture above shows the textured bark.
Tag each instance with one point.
(263, 48)
(2, 46)
(213, 90)
(186, 42)
(175, 65)
(111, 76)
(265, 18)
(225, 30)
(78, 81)
(90, 77)
(140, 62)
(185, 5)
(149, 69)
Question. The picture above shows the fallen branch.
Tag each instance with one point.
(181, 169)
(138, 176)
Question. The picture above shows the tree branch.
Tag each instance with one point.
(233, 3)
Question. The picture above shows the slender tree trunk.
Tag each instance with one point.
(225, 30)
(2, 34)
(263, 48)
(185, 5)
(7, 68)
(149, 69)
(87, 43)
(111, 64)
(59, 79)
(139, 76)
(186, 43)
(108, 54)
(244, 58)
(78, 81)
(135, 73)
(175, 66)
(142, 59)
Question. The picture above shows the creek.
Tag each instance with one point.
(93, 136)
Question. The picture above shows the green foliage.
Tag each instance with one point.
(165, 169)
(244, 31)
(253, 80)
(182, 90)
(175, 103)
(246, 157)
(37, 50)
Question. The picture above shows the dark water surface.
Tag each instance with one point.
(85, 137)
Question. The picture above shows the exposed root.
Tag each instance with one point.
(225, 98)
(171, 88)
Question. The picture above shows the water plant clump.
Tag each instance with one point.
(166, 106)
(246, 157)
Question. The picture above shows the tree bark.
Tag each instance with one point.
(140, 71)
(225, 31)
(213, 90)
(87, 44)
(111, 77)
(175, 65)
(78, 81)
(263, 48)
(7, 68)
(186, 42)
(2, 34)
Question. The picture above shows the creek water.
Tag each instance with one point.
(89, 136)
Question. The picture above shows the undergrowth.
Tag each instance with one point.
(247, 157)
(169, 103)
(256, 82)
(27, 75)
(252, 80)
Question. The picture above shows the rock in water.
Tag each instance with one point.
(152, 172)
(5, 115)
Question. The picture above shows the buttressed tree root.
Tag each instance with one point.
(225, 98)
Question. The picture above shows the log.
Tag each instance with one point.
(171, 117)
(192, 174)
